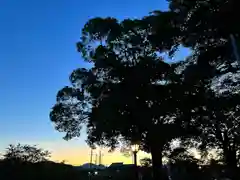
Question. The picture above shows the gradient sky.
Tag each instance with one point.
(37, 54)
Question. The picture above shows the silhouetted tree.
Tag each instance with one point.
(181, 154)
(220, 129)
(26, 153)
(183, 165)
(205, 27)
(146, 162)
(130, 93)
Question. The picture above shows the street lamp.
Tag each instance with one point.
(135, 149)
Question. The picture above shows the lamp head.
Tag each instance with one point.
(135, 147)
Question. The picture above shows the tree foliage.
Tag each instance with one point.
(146, 162)
(130, 94)
(205, 27)
(26, 153)
(221, 128)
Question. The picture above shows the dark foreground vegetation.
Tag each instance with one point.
(15, 170)
(181, 169)
(30, 162)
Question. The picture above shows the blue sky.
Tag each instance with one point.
(37, 54)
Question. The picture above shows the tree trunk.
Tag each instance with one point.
(231, 163)
(229, 152)
(231, 160)
(157, 163)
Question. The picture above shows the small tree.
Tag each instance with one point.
(146, 162)
(26, 153)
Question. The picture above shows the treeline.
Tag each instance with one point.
(30, 162)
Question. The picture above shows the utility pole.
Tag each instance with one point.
(90, 165)
(100, 157)
(99, 160)
(96, 157)
(91, 154)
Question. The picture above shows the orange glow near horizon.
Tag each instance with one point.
(82, 155)
(76, 153)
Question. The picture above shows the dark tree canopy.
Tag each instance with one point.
(130, 93)
(220, 129)
(207, 27)
(128, 85)
(119, 52)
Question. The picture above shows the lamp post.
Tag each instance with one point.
(135, 149)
